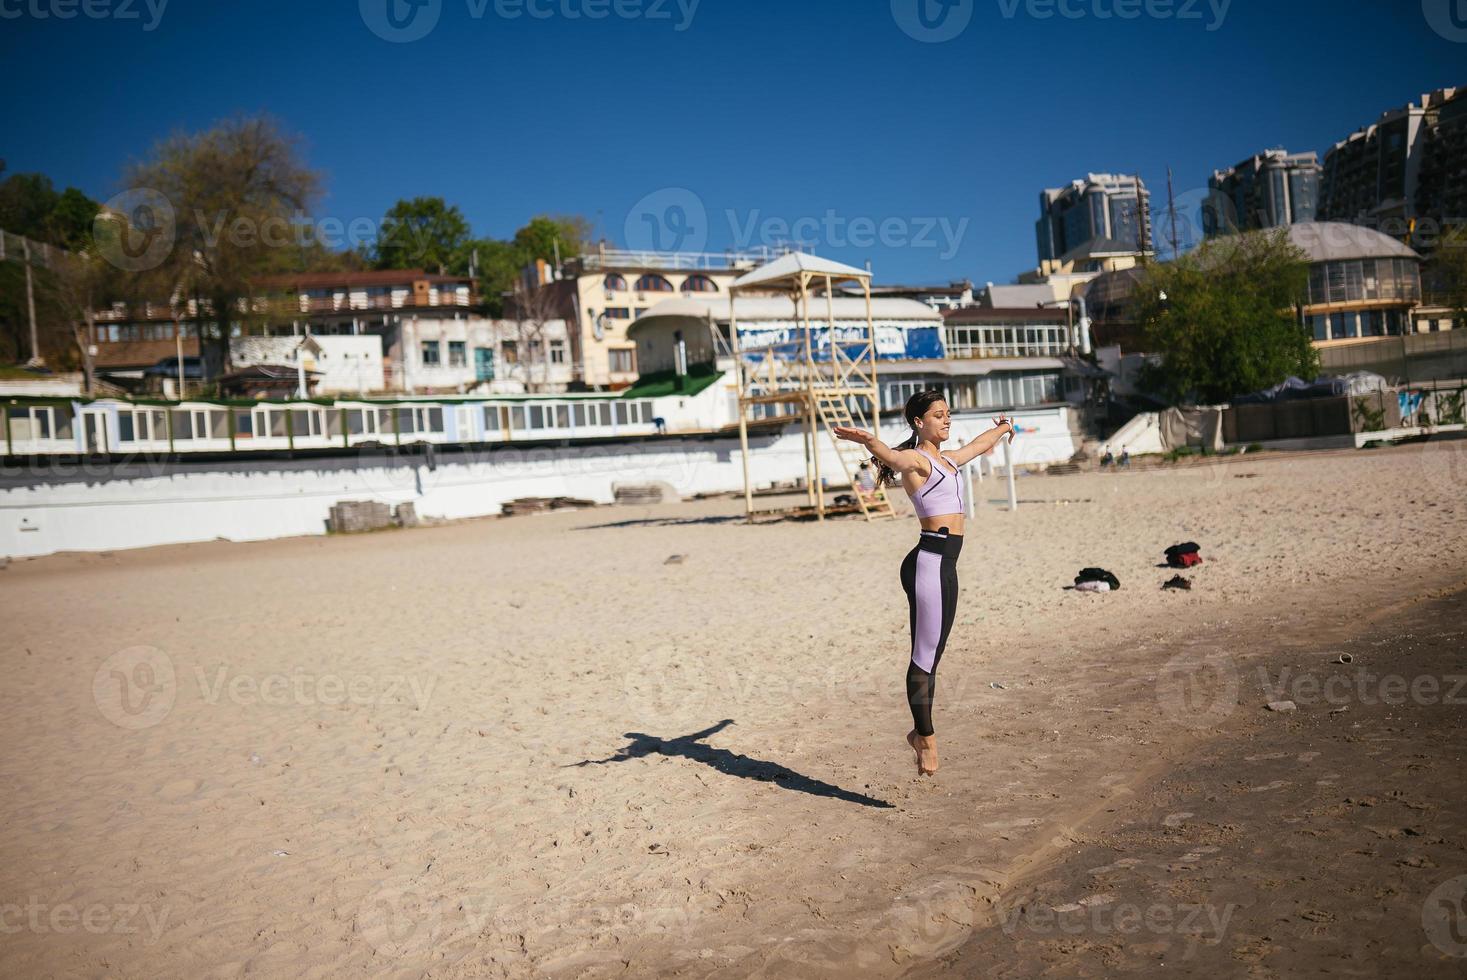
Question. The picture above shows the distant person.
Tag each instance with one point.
(933, 481)
(661, 424)
(1125, 458)
(1107, 459)
(865, 481)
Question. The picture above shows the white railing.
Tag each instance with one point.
(609, 258)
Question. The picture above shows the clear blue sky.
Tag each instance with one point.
(770, 109)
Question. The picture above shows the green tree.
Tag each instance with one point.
(498, 266)
(547, 236)
(234, 192)
(502, 264)
(1446, 275)
(30, 206)
(1223, 317)
(423, 233)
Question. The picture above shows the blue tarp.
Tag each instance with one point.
(1292, 388)
(892, 343)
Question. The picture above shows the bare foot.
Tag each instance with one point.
(925, 748)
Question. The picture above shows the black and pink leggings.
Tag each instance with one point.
(930, 578)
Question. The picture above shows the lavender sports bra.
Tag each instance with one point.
(943, 491)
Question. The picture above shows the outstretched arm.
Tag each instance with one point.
(985, 442)
(900, 460)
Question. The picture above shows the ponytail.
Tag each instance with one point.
(915, 408)
(885, 475)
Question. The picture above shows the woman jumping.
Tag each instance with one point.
(930, 570)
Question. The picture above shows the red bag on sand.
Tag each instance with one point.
(1189, 558)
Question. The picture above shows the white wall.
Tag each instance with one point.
(348, 364)
(95, 507)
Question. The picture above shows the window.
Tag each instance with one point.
(621, 413)
(557, 352)
(510, 351)
(699, 284)
(562, 416)
(622, 360)
(517, 418)
(618, 313)
(537, 417)
(491, 418)
(306, 422)
(457, 354)
(430, 353)
(359, 422)
(652, 283)
(615, 281)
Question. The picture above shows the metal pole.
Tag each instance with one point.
(1008, 462)
(30, 304)
(178, 343)
(740, 381)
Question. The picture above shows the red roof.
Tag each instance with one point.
(372, 277)
(1003, 314)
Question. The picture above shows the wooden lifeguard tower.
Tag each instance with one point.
(827, 372)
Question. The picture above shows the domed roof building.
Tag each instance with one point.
(1361, 283)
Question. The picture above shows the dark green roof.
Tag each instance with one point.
(661, 384)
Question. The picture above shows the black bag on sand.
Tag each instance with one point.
(1097, 575)
(1175, 552)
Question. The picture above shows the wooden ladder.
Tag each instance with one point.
(833, 412)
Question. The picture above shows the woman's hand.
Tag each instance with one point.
(853, 435)
(1004, 420)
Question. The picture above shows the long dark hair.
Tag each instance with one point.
(915, 408)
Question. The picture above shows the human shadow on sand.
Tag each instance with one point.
(732, 763)
(664, 522)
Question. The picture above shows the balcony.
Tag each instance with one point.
(731, 261)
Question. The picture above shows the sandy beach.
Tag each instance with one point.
(544, 746)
